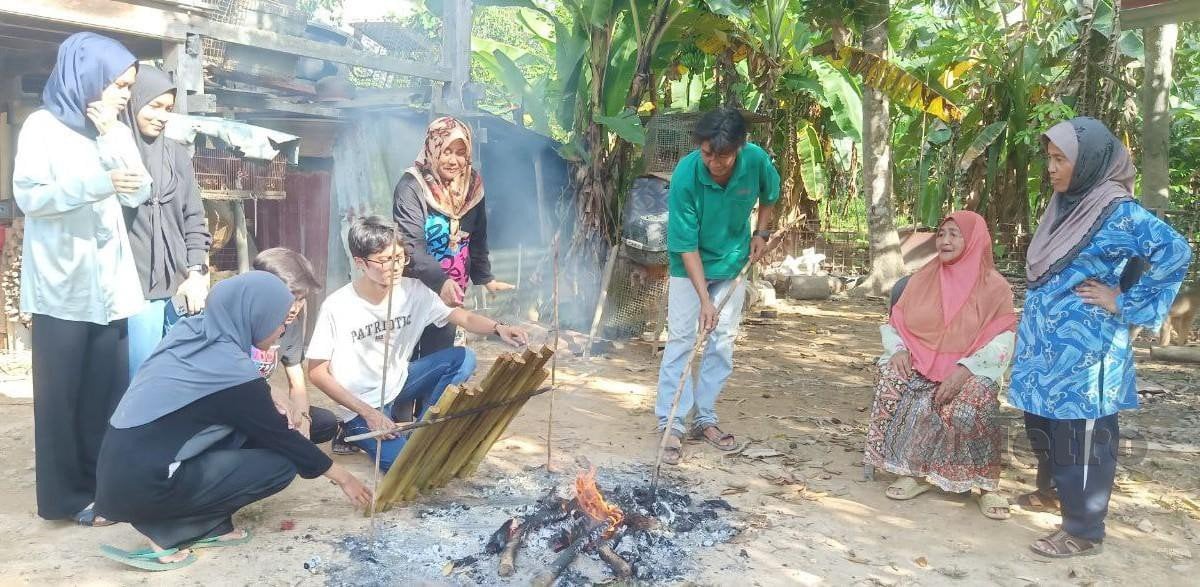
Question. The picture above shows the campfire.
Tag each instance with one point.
(601, 526)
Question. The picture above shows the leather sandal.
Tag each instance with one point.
(1063, 545)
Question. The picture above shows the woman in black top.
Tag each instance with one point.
(197, 437)
(438, 205)
(166, 233)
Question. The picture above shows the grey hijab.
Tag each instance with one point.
(1103, 178)
(206, 353)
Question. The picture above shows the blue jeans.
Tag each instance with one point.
(427, 379)
(147, 328)
(683, 321)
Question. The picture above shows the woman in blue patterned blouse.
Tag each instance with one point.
(1073, 368)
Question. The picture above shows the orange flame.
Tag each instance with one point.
(591, 501)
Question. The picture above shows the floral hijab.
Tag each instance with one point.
(458, 196)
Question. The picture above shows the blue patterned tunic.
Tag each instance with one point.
(1075, 361)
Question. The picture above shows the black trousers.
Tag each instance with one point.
(210, 488)
(324, 425)
(1059, 447)
(80, 372)
(434, 339)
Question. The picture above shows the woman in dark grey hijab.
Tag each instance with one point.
(197, 437)
(166, 233)
(1099, 263)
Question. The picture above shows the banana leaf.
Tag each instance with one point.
(980, 143)
(899, 85)
(812, 163)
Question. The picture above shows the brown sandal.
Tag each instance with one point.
(723, 436)
(1063, 545)
(1038, 501)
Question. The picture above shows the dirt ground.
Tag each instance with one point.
(802, 387)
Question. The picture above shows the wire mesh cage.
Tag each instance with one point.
(278, 15)
(394, 39)
(223, 175)
(846, 251)
(636, 297)
(669, 138)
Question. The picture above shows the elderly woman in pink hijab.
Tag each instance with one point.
(947, 345)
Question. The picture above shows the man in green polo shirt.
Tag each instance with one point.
(713, 191)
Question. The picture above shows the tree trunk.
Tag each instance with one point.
(887, 263)
(1156, 114)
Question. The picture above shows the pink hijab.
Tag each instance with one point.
(949, 311)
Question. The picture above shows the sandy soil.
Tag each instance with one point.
(802, 387)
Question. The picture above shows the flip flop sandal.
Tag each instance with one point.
(1038, 501)
(906, 488)
(87, 517)
(989, 502)
(216, 542)
(699, 434)
(146, 559)
(1063, 545)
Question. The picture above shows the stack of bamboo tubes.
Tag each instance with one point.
(436, 454)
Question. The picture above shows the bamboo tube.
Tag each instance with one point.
(505, 416)
(409, 476)
(482, 427)
(439, 448)
(392, 481)
(431, 455)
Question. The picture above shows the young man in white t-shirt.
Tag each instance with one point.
(346, 352)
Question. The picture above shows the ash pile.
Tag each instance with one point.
(593, 529)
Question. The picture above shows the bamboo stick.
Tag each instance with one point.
(478, 435)
(467, 434)
(431, 454)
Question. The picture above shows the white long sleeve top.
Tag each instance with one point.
(76, 263)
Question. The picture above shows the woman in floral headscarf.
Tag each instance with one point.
(438, 204)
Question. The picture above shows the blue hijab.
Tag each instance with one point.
(206, 353)
(87, 64)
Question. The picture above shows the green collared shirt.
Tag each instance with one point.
(715, 220)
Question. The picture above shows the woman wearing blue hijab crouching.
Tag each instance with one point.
(197, 436)
(76, 166)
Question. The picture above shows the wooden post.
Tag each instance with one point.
(456, 52)
(181, 59)
(241, 236)
(605, 281)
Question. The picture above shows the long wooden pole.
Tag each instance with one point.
(387, 346)
(553, 362)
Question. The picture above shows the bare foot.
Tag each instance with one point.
(237, 534)
(170, 558)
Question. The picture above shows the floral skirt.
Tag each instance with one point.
(956, 447)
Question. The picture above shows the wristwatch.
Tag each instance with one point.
(496, 328)
(763, 234)
(201, 269)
